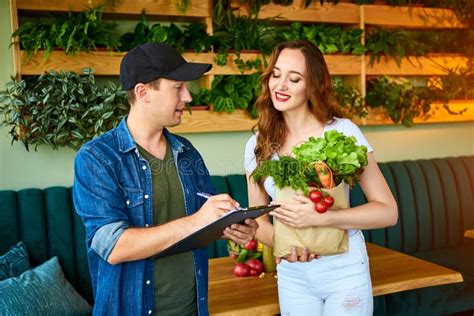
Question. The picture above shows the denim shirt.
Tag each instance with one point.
(113, 191)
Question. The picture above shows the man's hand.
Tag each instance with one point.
(216, 206)
(241, 234)
(293, 257)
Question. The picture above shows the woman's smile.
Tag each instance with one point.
(282, 97)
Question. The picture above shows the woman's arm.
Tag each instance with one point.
(379, 211)
(257, 197)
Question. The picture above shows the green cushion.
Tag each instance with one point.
(393, 234)
(60, 225)
(14, 262)
(41, 291)
(228, 185)
(32, 223)
(468, 163)
(447, 299)
(424, 219)
(380, 305)
(406, 206)
(435, 191)
(452, 207)
(465, 191)
(221, 248)
(459, 258)
(45, 220)
(9, 228)
(219, 184)
(84, 283)
(238, 188)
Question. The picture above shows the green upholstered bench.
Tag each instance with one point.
(436, 205)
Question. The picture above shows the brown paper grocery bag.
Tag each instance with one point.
(322, 241)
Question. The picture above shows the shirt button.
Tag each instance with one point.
(144, 167)
(128, 202)
(146, 196)
(149, 312)
(147, 281)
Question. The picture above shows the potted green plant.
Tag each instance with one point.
(62, 109)
(71, 32)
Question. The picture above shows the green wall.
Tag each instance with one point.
(223, 152)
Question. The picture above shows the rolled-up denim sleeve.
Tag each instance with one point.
(99, 201)
(106, 237)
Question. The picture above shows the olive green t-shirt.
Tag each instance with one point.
(174, 279)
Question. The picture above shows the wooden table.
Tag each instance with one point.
(469, 233)
(391, 272)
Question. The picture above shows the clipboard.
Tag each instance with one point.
(214, 230)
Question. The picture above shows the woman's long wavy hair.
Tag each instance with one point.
(321, 102)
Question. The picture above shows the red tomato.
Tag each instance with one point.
(251, 245)
(254, 272)
(241, 270)
(256, 265)
(315, 196)
(329, 201)
(320, 207)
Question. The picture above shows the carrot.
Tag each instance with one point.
(324, 174)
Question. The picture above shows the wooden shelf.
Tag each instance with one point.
(200, 8)
(438, 115)
(108, 63)
(348, 13)
(104, 63)
(208, 121)
(410, 17)
(315, 12)
(416, 66)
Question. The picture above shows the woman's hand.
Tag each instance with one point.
(300, 214)
(293, 257)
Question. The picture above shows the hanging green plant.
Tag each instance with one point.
(453, 41)
(73, 32)
(395, 44)
(62, 109)
(248, 65)
(401, 100)
(458, 84)
(193, 36)
(229, 93)
(349, 99)
(330, 40)
(240, 33)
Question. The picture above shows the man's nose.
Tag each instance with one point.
(185, 95)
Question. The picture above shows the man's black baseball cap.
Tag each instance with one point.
(151, 61)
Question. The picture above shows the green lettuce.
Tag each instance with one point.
(341, 153)
(286, 172)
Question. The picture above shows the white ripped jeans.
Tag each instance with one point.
(331, 285)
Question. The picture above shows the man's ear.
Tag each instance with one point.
(141, 92)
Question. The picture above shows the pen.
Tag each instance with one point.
(207, 195)
(204, 195)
